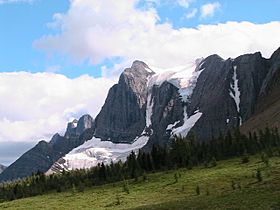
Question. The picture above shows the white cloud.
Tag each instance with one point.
(35, 106)
(191, 14)
(185, 3)
(97, 30)
(208, 10)
(16, 1)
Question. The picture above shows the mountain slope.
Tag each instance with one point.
(2, 168)
(267, 112)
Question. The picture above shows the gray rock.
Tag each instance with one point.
(211, 94)
(122, 117)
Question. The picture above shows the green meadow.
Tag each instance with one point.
(229, 185)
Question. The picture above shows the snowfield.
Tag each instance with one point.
(96, 151)
(189, 122)
(235, 92)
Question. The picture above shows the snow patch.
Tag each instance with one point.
(75, 124)
(171, 126)
(189, 122)
(149, 110)
(96, 151)
(148, 70)
(235, 93)
(184, 78)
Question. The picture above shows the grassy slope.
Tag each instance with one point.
(160, 191)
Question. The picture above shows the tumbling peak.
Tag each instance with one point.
(139, 65)
(138, 68)
(84, 123)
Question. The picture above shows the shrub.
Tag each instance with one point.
(245, 159)
(259, 175)
(197, 190)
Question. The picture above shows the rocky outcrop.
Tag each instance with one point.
(122, 117)
(44, 154)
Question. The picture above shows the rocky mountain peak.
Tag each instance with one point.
(140, 65)
(84, 123)
(55, 139)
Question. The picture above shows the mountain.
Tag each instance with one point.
(205, 98)
(2, 168)
(268, 105)
(45, 154)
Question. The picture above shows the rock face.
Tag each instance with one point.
(207, 98)
(44, 154)
(226, 93)
(268, 103)
(122, 117)
(2, 168)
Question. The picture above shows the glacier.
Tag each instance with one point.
(96, 151)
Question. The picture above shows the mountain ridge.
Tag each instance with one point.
(207, 98)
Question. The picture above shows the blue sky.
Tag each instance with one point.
(58, 59)
(21, 23)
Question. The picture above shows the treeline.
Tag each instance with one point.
(183, 152)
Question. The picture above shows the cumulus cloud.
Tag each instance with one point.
(95, 31)
(208, 10)
(35, 106)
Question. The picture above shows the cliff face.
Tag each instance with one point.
(122, 117)
(227, 92)
(267, 112)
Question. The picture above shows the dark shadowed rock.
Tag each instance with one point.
(2, 168)
(122, 117)
(212, 93)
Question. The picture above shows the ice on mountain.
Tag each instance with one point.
(234, 92)
(96, 151)
(189, 122)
